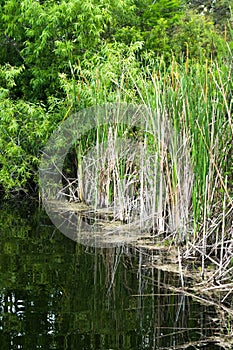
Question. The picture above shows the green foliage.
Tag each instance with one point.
(103, 78)
(154, 21)
(47, 37)
(24, 129)
(51, 35)
(196, 37)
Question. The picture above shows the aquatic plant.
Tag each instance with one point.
(174, 179)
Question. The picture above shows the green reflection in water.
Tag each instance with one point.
(57, 294)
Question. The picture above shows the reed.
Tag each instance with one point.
(174, 178)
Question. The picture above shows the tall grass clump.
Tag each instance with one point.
(143, 175)
(174, 177)
(196, 98)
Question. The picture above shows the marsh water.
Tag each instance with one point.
(58, 294)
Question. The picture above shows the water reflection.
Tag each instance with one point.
(56, 294)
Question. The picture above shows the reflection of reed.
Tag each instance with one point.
(103, 298)
(171, 322)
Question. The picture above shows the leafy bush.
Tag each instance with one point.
(24, 129)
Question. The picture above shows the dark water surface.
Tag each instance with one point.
(57, 294)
